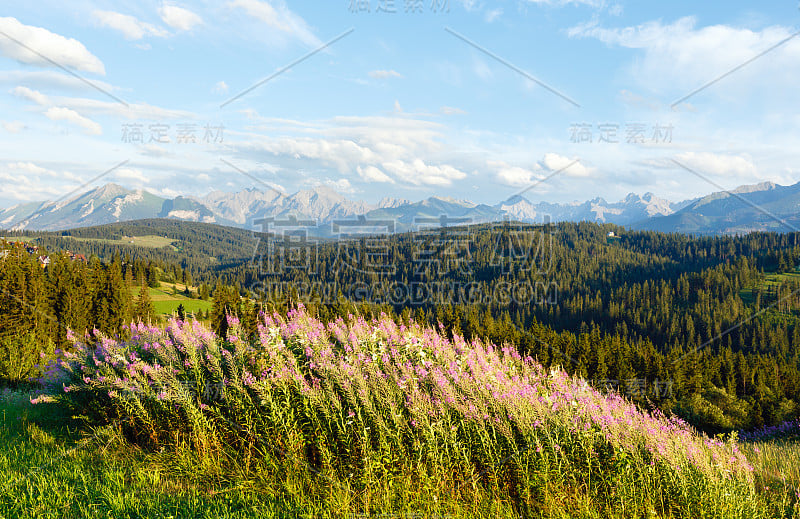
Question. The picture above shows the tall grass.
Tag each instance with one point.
(774, 451)
(370, 417)
(51, 470)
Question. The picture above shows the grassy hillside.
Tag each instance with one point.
(775, 290)
(168, 296)
(53, 469)
(358, 418)
(148, 241)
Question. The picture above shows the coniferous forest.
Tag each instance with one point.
(702, 327)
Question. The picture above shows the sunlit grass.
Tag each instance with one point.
(153, 242)
(358, 419)
(168, 296)
(51, 469)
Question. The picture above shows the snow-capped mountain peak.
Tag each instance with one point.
(324, 205)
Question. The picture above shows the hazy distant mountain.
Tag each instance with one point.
(389, 202)
(435, 211)
(715, 213)
(182, 208)
(759, 207)
(244, 206)
(632, 209)
(112, 203)
(322, 204)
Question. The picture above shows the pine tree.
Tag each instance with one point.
(152, 277)
(68, 287)
(226, 302)
(111, 301)
(143, 308)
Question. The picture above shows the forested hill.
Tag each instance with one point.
(200, 248)
(706, 327)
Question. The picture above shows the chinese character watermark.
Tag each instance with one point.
(363, 245)
(636, 388)
(284, 245)
(179, 133)
(434, 265)
(615, 133)
(398, 6)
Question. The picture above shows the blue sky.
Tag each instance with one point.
(401, 106)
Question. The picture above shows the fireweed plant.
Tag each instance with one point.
(390, 415)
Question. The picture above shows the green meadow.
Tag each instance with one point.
(168, 296)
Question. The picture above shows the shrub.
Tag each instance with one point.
(20, 356)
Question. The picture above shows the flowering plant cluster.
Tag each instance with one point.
(374, 398)
(785, 430)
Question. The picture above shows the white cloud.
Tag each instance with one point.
(49, 79)
(384, 74)
(154, 150)
(373, 174)
(59, 113)
(348, 141)
(517, 176)
(131, 174)
(718, 164)
(681, 54)
(469, 5)
(27, 182)
(178, 17)
(513, 175)
(555, 162)
(130, 26)
(449, 110)
(393, 149)
(13, 126)
(132, 111)
(341, 185)
(493, 15)
(278, 16)
(339, 153)
(418, 173)
(32, 169)
(31, 95)
(93, 106)
(220, 88)
(165, 192)
(67, 52)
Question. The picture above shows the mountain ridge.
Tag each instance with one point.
(719, 212)
(751, 208)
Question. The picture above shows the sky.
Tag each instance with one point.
(561, 100)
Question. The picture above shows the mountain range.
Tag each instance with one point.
(765, 206)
